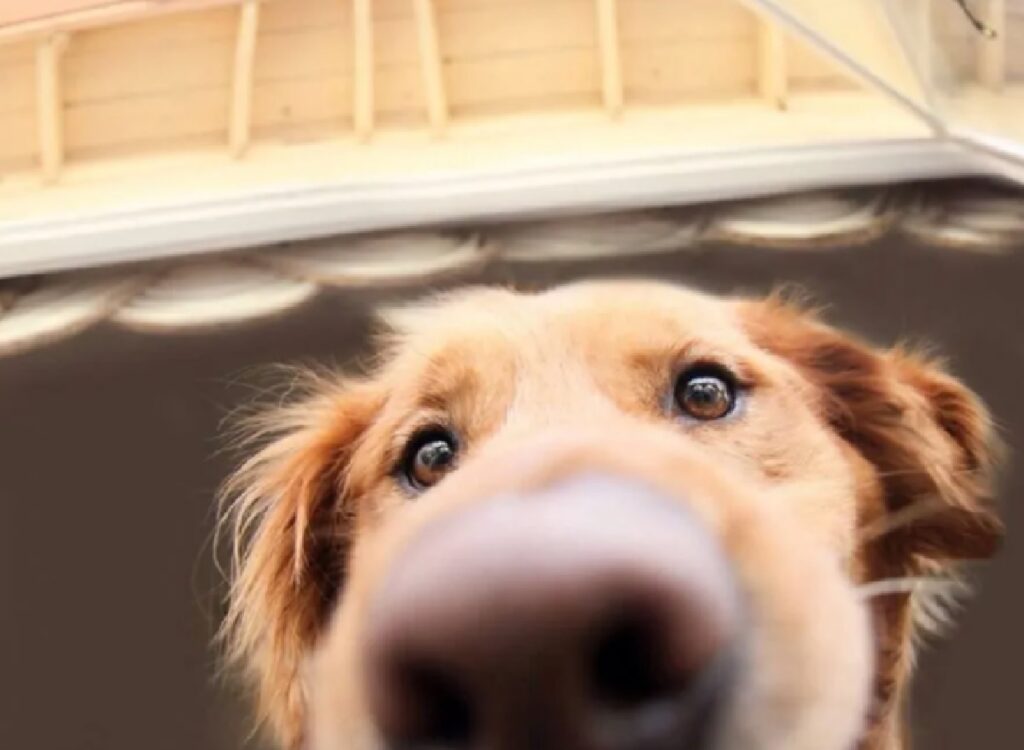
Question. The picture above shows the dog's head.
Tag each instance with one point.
(616, 515)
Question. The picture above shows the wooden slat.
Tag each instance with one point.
(610, 49)
(362, 43)
(50, 105)
(240, 127)
(106, 14)
(992, 51)
(772, 73)
(431, 64)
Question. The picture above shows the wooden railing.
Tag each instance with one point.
(30, 22)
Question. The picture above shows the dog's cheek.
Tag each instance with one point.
(800, 691)
(820, 481)
(339, 715)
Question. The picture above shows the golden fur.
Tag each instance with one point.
(847, 465)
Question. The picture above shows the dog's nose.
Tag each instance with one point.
(596, 614)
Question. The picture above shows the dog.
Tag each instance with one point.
(613, 515)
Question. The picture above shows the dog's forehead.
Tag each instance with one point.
(608, 315)
(642, 310)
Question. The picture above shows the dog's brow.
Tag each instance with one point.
(447, 384)
(654, 358)
(441, 385)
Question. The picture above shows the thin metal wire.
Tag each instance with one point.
(980, 26)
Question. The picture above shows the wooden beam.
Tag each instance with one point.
(610, 49)
(50, 105)
(432, 65)
(772, 73)
(240, 127)
(363, 106)
(991, 55)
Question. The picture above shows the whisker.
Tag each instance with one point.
(881, 476)
(923, 472)
(898, 519)
(892, 586)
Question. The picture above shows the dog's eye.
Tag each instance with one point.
(705, 393)
(428, 457)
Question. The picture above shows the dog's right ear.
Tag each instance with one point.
(283, 516)
(929, 437)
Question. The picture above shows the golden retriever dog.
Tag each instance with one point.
(614, 515)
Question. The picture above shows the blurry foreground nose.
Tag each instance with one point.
(593, 615)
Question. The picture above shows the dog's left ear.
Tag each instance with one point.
(287, 513)
(929, 437)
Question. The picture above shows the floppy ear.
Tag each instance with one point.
(283, 515)
(930, 439)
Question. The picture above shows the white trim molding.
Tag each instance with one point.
(267, 217)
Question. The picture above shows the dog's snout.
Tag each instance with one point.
(597, 613)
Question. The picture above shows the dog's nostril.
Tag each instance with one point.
(437, 711)
(628, 666)
(427, 709)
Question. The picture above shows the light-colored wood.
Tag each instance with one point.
(860, 34)
(495, 72)
(772, 71)
(991, 52)
(923, 39)
(954, 58)
(151, 85)
(669, 57)
(50, 105)
(165, 80)
(500, 56)
(520, 56)
(133, 210)
(18, 144)
(981, 114)
(808, 70)
(96, 14)
(242, 82)
(1015, 51)
(21, 11)
(611, 56)
(473, 145)
(363, 90)
(303, 86)
(430, 61)
(140, 119)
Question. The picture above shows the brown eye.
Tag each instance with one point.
(705, 393)
(428, 457)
